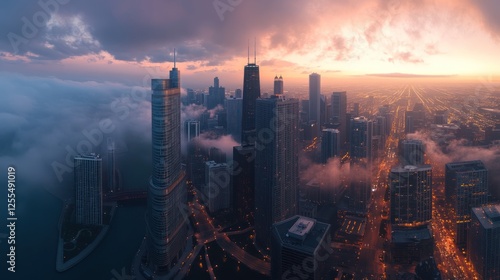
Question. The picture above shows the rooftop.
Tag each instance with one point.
(411, 235)
(466, 166)
(301, 233)
(353, 225)
(488, 215)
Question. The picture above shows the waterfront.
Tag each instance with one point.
(37, 233)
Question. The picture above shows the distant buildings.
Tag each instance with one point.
(276, 163)
(339, 111)
(88, 189)
(191, 129)
(167, 194)
(300, 249)
(466, 187)
(359, 138)
(216, 95)
(483, 241)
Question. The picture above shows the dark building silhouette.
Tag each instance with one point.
(251, 91)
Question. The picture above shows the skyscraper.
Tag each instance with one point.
(299, 247)
(278, 85)
(483, 241)
(233, 117)
(88, 189)
(217, 186)
(276, 164)
(251, 91)
(216, 95)
(359, 138)
(191, 129)
(314, 98)
(411, 196)
(330, 144)
(466, 187)
(111, 165)
(243, 182)
(411, 152)
(339, 111)
(167, 195)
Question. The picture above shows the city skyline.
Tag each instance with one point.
(373, 39)
(378, 157)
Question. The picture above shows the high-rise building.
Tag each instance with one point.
(238, 93)
(411, 152)
(251, 91)
(466, 187)
(339, 111)
(330, 144)
(278, 85)
(276, 164)
(314, 99)
(483, 241)
(233, 117)
(359, 138)
(360, 186)
(243, 182)
(355, 109)
(167, 194)
(175, 76)
(299, 249)
(111, 165)
(191, 129)
(217, 186)
(411, 196)
(216, 95)
(88, 189)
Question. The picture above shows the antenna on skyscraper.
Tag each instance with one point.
(248, 56)
(254, 51)
(174, 57)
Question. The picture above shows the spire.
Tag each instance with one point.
(255, 50)
(174, 57)
(248, 57)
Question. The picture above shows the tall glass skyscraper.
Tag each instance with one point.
(276, 164)
(88, 189)
(339, 111)
(466, 187)
(330, 144)
(166, 229)
(314, 98)
(251, 91)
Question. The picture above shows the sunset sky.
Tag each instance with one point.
(122, 41)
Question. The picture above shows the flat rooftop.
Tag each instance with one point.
(301, 233)
(488, 215)
(466, 166)
(411, 235)
(353, 226)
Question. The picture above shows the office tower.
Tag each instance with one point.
(278, 85)
(322, 110)
(191, 96)
(385, 111)
(299, 248)
(251, 91)
(111, 165)
(217, 186)
(216, 95)
(415, 119)
(330, 144)
(304, 111)
(441, 117)
(339, 111)
(88, 189)
(355, 110)
(359, 138)
(191, 129)
(243, 182)
(411, 196)
(360, 186)
(411, 152)
(238, 93)
(166, 227)
(483, 241)
(175, 76)
(466, 186)
(233, 117)
(276, 163)
(196, 158)
(314, 99)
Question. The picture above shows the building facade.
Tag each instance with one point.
(88, 189)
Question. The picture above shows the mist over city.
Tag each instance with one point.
(237, 139)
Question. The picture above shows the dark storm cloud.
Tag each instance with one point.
(46, 120)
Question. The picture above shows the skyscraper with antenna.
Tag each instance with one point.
(175, 79)
(251, 91)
